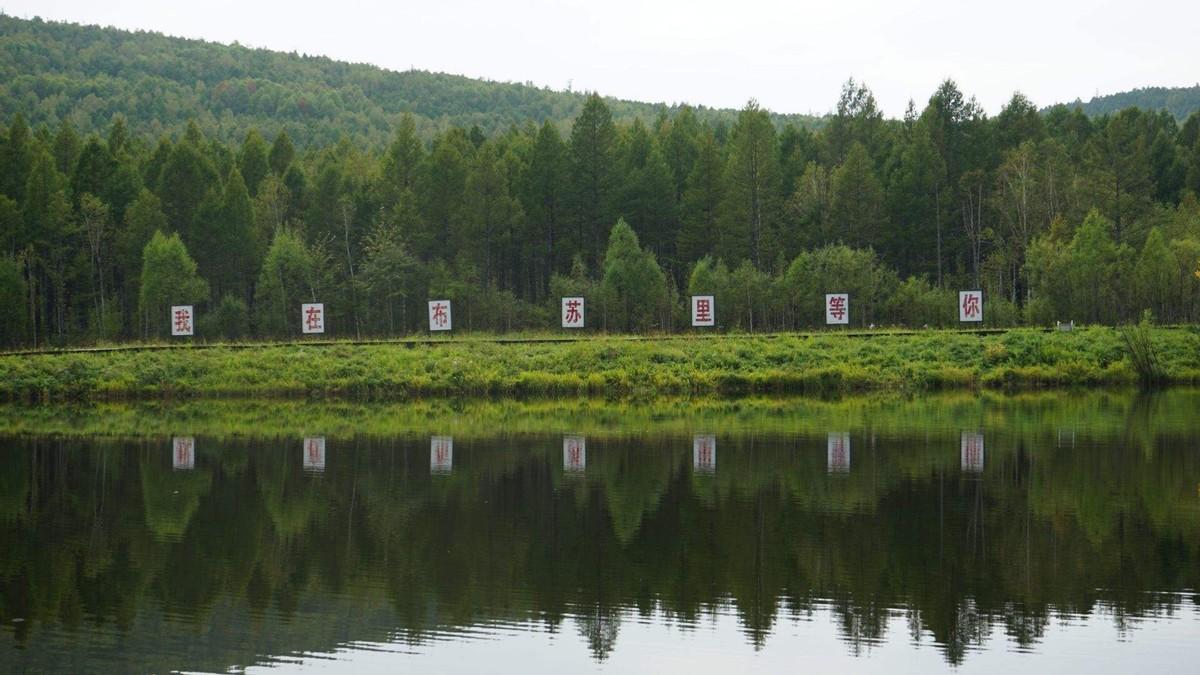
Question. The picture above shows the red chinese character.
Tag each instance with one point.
(703, 310)
(312, 318)
(314, 451)
(439, 314)
(970, 305)
(183, 321)
(837, 307)
(573, 315)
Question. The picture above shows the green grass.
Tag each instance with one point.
(605, 366)
(1028, 414)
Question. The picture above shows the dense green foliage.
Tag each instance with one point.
(1179, 101)
(1085, 512)
(1055, 215)
(613, 366)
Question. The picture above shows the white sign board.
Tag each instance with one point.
(441, 454)
(572, 312)
(314, 454)
(837, 308)
(439, 315)
(970, 305)
(704, 311)
(574, 454)
(183, 453)
(837, 457)
(704, 453)
(312, 317)
(181, 320)
(972, 452)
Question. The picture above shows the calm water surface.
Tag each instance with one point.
(1058, 533)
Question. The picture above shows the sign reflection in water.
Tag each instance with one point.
(704, 453)
(441, 455)
(971, 451)
(837, 452)
(183, 453)
(314, 454)
(574, 454)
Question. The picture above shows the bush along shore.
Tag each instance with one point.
(607, 366)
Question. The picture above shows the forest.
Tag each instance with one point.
(1055, 215)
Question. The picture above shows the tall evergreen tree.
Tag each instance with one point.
(543, 196)
(16, 159)
(752, 189)
(592, 181)
(252, 161)
(701, 203)
(856, 205)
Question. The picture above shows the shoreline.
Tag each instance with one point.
(620, 366)
(945, 414)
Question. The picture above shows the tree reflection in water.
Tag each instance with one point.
(264, 557)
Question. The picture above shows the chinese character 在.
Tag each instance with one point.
(312, 317)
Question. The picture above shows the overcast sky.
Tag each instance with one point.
(793, 56)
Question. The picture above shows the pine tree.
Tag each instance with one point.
(252, 161)
(401, 163)
(282, 153)
(16, 159)
(543, 193)
(752, 189)
(700, 207)
(591, 177)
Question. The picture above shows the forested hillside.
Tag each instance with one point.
(84, 75)
(1056, 216)
(1179, 101)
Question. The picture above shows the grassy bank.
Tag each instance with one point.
(1028, 414)
(603, 366)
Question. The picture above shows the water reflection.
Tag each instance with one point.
(441, 455)
(574, 454)
(704, 453)
(314, 454)
(183, 450)
(837, 454)
(971, 452)
(112, 559)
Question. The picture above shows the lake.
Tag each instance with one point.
(1058, 532)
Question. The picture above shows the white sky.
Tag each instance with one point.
(792, 56)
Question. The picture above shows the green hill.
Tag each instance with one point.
(53, 71)
(1179, 101)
